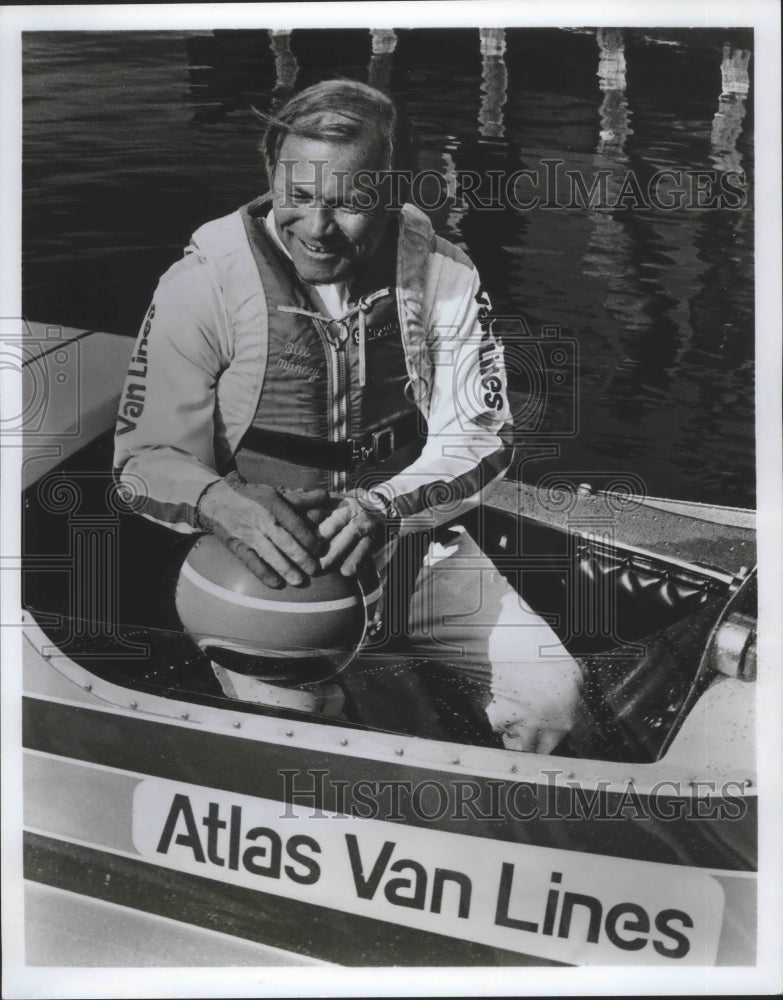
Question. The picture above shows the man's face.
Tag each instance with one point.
(317, 205)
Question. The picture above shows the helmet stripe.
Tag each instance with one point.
(264, 604)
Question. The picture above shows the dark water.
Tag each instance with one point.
(134, 139)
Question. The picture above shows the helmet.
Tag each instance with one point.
(291, 636)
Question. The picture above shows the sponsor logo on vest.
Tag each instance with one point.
(371, 333)
(132, 405)
(556, 904)
(491, 373)
(490, 370)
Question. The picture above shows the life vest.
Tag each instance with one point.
(338, 400)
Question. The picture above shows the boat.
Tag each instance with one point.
(399, 831)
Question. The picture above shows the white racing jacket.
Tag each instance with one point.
(198, 372)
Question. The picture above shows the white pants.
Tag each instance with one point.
(463, 612)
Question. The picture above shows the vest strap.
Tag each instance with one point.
(375, 447)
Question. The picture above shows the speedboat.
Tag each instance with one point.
(400, 830)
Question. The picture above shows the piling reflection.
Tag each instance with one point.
(494, 88)
(384, 42)
(494, 82)
(286, 66)
(727, 123)
(614, 114)
(609, 252)
(485, 222)
(722, 320)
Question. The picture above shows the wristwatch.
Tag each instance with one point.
(380, 498)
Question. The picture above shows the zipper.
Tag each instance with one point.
(334, 335)
(337, 364)
(334, 345)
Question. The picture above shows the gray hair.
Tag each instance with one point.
(342, 110)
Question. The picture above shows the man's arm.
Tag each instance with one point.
(470, 434)
(165, 438)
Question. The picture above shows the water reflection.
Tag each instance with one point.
(679, 283)
(646, 259)
(609, 252)
(722, 319)
(727, 123)
(485, 222)
(131, 141)
(719, 360)
(494, 82)
(456, 210)
(478, 156)
(286, 66)
(384, 42)
(614, 114)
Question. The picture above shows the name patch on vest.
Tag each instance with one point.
(295, 358)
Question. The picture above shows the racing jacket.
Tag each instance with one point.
(199, 378)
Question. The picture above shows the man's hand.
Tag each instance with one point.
(535, 704)
(353, 529)
(271, 530)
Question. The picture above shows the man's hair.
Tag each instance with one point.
(340, 110)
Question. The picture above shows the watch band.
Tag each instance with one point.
(391, 512)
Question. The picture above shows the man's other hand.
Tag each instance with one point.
(271, 530)
(353, 530)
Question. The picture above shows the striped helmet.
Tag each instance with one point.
(294, 635)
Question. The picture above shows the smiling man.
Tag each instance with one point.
(315, 213)
(318, 365)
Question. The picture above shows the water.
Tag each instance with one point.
(134, 139)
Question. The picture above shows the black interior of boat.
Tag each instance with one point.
(100, 581)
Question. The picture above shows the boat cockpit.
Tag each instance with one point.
(652, 632)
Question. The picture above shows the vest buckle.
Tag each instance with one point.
(383, 444)
(376, 447)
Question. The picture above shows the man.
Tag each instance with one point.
(283, 377)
